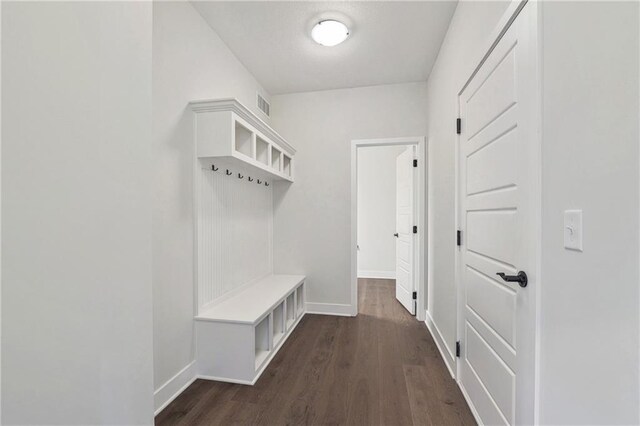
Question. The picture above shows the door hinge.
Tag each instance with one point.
(459, 237)
(458, 125)
(415, 163)
(415, 229)
(415, 295)
(458, 349)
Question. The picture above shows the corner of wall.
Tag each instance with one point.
(176, 81)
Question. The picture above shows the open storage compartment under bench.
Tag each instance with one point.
(238, 337)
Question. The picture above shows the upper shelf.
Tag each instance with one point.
(226, 128)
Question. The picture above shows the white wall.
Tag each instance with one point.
(377, 211)
(76, 186)
(190, 62)
(470, 27)
(590, 301)
(235, 228)
(312, 216)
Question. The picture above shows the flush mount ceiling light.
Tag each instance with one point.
(329, 33)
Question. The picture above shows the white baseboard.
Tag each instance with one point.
(470, 403)
(330, 309)
(227, 380)
(385, 275)
(174, 387)
(449, 358)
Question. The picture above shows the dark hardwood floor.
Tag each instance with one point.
(379, 368)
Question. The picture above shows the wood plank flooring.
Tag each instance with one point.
(379, 368)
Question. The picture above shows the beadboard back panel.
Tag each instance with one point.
(234, 233)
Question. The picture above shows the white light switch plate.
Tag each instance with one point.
(573, 230)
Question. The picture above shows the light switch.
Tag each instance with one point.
(573, 230)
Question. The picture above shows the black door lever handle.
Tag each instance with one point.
(521, 278)
(395, 235)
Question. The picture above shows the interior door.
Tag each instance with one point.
(499, 210)
(404, 230)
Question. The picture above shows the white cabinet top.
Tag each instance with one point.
(252, 303)
(234, 105)
(224, 128)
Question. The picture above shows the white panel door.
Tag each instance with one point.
(404, 230)
(499, 202)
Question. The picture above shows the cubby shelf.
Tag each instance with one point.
(279, 329)
(299, 300)
(291, 310)
(227, 129)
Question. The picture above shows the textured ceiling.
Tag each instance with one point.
(390, 42)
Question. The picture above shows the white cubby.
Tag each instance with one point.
(278, 324)
(240, 335)
(243, 140)
(276, 159)
(291, 310)
(299, 300)
(262, 151)
(227, 129)
(262, 341)
(286, 165)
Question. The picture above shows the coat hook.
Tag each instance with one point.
(214, 168)
(259, 182)
(240, 176)
(229, 173)
(250, 179)
(266, 184)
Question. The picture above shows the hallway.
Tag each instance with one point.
(381, 367)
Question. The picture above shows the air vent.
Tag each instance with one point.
(263, 105)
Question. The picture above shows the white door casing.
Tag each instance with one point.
(499, 169)
(419, 204)
(404, 230)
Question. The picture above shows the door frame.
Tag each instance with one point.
(420, 208)
(509, 16)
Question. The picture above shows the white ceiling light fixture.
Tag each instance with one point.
(329, 32)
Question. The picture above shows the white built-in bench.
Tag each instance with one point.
(238, 337)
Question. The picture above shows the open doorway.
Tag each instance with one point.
(388, 220)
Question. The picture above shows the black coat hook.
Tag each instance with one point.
(250, 179)
(229, 173)
(214, 168)
(266, 184)
(259, 182)
(240, 176)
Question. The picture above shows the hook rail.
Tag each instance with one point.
(241, 176)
